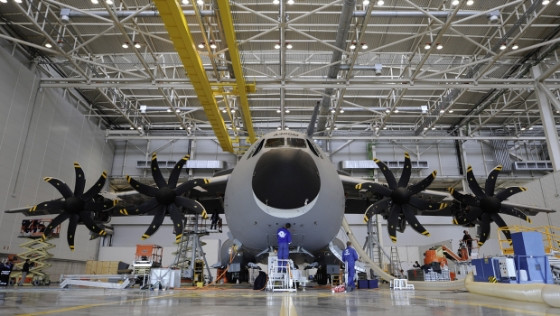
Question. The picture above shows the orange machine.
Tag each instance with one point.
(151, 253)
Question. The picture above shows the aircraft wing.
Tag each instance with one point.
(527, 209)
(28, 211)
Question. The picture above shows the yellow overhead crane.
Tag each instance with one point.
(179, 32)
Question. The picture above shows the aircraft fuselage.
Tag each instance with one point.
(284, 178)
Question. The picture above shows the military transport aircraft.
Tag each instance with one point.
(284, 177)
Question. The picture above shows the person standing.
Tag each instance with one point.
(24, 271)
(350, 256)
(467, 239)
(284, 239)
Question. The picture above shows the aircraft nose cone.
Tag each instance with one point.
(286, 179)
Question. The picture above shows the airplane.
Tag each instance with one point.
(284, 177)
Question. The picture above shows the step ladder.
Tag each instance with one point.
(396, 266)
(190, 257)
(280, 277)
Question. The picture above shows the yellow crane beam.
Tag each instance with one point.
(179, 33)
(224, 12)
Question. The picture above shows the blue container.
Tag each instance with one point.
(373, 284)
(363, 284)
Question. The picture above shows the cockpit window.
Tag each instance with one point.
(274, 142)
(258, 148)
(296, 142)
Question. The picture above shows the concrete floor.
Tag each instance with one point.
(242, 300)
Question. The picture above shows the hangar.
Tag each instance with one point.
(108, 83)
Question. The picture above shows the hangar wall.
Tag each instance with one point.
(42, 133)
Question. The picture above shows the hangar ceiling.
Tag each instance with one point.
(367, 67)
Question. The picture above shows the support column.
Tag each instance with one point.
(547, 119)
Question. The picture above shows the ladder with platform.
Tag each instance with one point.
(280, 275)
(190, 257)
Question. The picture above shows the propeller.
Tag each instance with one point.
(398, 203)
(484, 206)
(166, 198)
(75, 206)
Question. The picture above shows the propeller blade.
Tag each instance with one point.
(192, 206)
(405, 176)
(156, 223)
(60, 186)
(504, 194)
(463, 198)
(53, 206)
(80, 180)
(96, 188)
(425, 205)
(156, 172)
(186, 186)
(508, 210)
(141, 187)
(374, 187)
(484, 229)
(391, 182)
(174, 177)
(177, 218)
(473, 184)
(502, 225)
(143, 208)
(491, 181)
(393, 222)
(85, 216)
(55, 222)
(379, 207)
(72, 224)
(422, 185)
(413, 221)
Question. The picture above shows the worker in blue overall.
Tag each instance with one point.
(349, 256)
(284, 240)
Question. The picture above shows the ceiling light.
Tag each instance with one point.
(333, 111)
(131, 127)
(287, 111)
(92, 1)
(201, 45)
(439, 46)
(433, 128)
(380, 2)
(428, 46)
(276, 2)
(384, 127)
(18, 1)
(213, 45)
(200, 2)
(290, 1)
(377, 128)
(442, 111)
(224, 110)
(396, 111)
(514, 46)
(278, 111)
(279, 128)
(450, 111)
(48, 45)
(125, 45)
(137, 45)
(185, 2)
(289, 46)
(545, 2)
(455, 2)
(365, 2)
(387, 110)
(353, 46)
(364, 46)
(168, 109)
(4, 1)
(180, 127)
(558, 3)
(523, 128)
(277, 46)
(341, 110)
(425, 128)
(178, 110)
(470, 2)
(503, 46)
(109, 2)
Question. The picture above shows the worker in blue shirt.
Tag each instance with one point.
(284, 240)
(349, 256)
